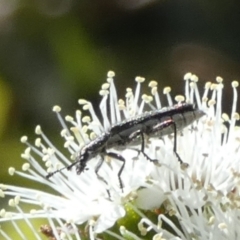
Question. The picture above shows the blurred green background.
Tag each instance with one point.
(57, 51)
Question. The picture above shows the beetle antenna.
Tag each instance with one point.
(52, 173)
(60, 170)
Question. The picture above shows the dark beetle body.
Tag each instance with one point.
(148, 119)
(155, 123)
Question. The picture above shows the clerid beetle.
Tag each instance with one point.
(155, 124)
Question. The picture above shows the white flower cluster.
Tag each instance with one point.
(200, 201)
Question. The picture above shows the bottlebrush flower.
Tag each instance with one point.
(168, 200)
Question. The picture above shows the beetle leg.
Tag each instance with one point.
(166, 124)
(99, 164)
(142, 149)
(120, 158)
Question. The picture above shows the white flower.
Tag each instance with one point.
(166, 200)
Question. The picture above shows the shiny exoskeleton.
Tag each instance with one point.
(154, 124)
